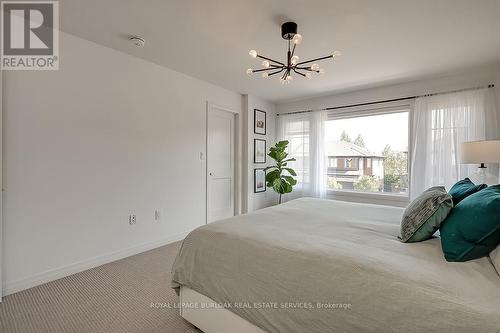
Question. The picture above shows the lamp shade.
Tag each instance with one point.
(480, 152)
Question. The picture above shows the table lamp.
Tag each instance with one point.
(480, 152)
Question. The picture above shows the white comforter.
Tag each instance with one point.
(311, 253)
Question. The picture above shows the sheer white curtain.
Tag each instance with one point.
(440, 123)
(306, 134)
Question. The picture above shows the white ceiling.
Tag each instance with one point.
(381, 40)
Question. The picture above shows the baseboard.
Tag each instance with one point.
(64, 271)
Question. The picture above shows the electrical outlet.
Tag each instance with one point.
(132, 219)
(157, 215)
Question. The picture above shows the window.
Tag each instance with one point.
(353, 153)
(370, 150)
(446, 129)
(297, 133)
(445, 121)
(346, 163)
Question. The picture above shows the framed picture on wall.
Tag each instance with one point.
(259, 122)
(259, 151)
(259, 180)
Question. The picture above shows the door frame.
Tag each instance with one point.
(237, 156)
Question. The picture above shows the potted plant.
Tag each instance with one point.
(280, 178)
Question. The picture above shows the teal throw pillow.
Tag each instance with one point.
(463, 189)
(472, 230)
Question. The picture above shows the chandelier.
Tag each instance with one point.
(292, 64)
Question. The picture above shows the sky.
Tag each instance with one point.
(378, 131)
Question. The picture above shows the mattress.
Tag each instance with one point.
(313, 265)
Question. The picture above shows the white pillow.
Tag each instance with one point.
(495, 258)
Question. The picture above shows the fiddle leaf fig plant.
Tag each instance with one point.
(280, 178)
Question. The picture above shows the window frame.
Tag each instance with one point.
(391, 199)
(369, 162)
(355, 163)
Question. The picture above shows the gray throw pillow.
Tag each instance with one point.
(425, 214)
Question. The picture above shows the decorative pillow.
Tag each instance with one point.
(472, 230)
(463, 189)
(425, 214)
(495, 258)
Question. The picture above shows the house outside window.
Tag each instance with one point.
(351, 164)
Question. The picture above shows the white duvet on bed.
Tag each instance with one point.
(311, 251)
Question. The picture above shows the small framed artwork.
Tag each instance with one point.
(259, 182)
(259, 125)
(259, 151)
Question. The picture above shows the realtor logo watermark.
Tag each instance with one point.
(30, 35)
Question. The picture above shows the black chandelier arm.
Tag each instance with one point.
(293, 50)
(306, 69)
(269, 59)
(277, 72)
(313, 60)
(287, 73)
(265, 69)
(299, 72)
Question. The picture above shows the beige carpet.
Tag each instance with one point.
(115, 297)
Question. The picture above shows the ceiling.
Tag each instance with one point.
(381, 40)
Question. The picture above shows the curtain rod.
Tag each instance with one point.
(387, 100)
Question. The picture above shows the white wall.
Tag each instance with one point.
(105, 136)
(256, 201)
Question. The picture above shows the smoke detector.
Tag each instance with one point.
(137, 41)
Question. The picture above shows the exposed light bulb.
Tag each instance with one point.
(289, 77)
(336, 53)
(252, 53)
(266, 64)
(294, 60)
(265, 74)
(308, 76)
(321, 71)
(283, 81)
(249, 72)
(314, 67)
(297, 39)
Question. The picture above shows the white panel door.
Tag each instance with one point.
(220, 164)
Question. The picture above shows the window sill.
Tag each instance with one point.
(398, 200)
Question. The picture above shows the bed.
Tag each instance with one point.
(314, 265)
